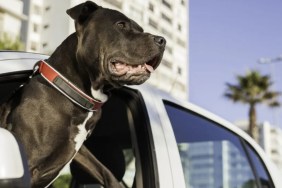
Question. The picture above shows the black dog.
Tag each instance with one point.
(52, 117)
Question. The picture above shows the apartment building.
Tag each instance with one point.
(271, 141)
(168, 18)
(11, 18)
(32, 26)
(215, 164)
(48, 25)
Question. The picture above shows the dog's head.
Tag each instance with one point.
(114, 46)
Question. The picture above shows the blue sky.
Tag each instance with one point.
(227, 37)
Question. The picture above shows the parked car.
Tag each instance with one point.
(150, 139)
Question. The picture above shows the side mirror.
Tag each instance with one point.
(13, 163)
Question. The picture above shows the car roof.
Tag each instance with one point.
(18, 61)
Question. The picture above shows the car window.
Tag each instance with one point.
(111, 144)
(120, 141)
(11, 82)
(211, 156)
(261, 173)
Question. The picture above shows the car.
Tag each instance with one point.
(149, 139)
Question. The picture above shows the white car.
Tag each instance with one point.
(149, 139)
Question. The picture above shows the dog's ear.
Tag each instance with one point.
(82, 11)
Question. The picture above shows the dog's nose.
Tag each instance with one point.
(160, 41)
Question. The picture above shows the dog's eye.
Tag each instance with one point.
(121, 25)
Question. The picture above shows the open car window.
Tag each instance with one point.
(120, 141)
(15, 68)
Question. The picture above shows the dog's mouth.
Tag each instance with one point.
(120, 68)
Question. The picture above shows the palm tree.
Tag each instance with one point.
(252, 89)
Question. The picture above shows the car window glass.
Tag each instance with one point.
(212, 157)
(262, 174)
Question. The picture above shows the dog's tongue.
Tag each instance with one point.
(122, 68)
(149, 68)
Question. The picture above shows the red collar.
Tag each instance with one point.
(66, 87)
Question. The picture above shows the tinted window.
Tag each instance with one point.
(212, 157)
(261, 173)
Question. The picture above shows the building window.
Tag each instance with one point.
(181, 42)
(151, 7)
(167, 64)
(116, 3)
(179, 70)
(166, 32)
(1, 22)
(136, 13)
(47, 8)
(35, 28)
(179, 27)
(167, 4)
(166, 18)
(36, 10)
(45, 44)
(33, 46)
(273, 131)
(46, 26)
(168, 49)
(153, 23)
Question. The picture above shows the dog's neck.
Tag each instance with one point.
(64, 60)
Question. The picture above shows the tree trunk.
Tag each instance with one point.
(253, 130)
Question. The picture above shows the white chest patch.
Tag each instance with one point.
(98, 94)
(79, 139)
(82, 132)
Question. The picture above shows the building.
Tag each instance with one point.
(215, 164)
(168, 18)
(31, 32)
(57, 25)
(11, 18)
(270, 140)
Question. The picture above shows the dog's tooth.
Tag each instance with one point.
(119, 66)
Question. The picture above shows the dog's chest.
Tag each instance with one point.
(79, 138)
(82, 133)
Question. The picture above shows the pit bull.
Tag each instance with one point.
(55, 111)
